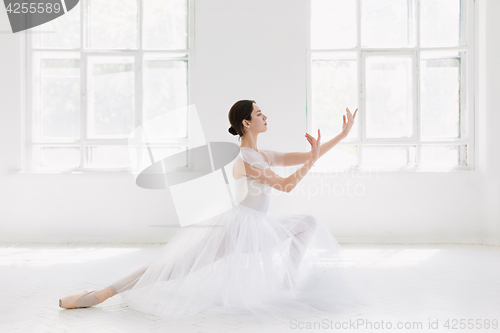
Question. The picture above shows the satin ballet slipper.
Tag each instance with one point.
(70, 302)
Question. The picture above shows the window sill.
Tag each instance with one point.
(395, 170)
(311, 171)
(75, 172)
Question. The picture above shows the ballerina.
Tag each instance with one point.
(245, 260)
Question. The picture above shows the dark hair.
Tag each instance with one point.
(239, 111)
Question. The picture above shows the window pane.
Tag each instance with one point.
(67, 157)
(111, 156)
(385, 157)
(333, 24)
(62, 33)
(440, 95)
(389, 97)
(439, 156)
(440, 23)
(159, 153)
(387, 23)
(165, 24)
(339, 158)
(334, 87)
(165, 90)
(110, 97)
(112, 24)
(56, 102)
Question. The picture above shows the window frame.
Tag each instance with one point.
(467, 134)
(27, 51)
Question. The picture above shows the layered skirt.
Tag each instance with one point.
(243, 261)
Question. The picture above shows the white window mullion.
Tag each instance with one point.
(180, 51)
(417, 110)
(463, 77)
(139, 61)
(361, 103)
(375, 49)
(464, 14)
(29, 105)
(308, 128)
(410, 18)
(471, 69)
(83, 80)
(190, 66)
(309, 103)
(86, 24)
(139, 25)
(361, 84)
(402, 141)
(466, 121)
(84, 105)
(416, 102)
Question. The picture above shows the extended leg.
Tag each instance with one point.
(100, 296)
(127, 282)
(130, 280)
(182, 268)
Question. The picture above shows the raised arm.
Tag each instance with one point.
(299, 157)
(270, 178)
(296, 158)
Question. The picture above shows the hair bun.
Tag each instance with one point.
(232, 131)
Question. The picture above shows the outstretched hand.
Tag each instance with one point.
(315, 145)
(347, 125)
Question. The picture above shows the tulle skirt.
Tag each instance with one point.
(243, 261)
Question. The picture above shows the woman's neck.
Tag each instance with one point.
(249, 143)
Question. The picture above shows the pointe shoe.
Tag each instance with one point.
(69, 302)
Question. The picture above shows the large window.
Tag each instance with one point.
(100, 71)
(407, 65)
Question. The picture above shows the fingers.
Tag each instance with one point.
(319, 138)
(308, 137)
(350, 116)
(312, 137)
(312, 140)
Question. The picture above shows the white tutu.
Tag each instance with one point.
(247, 260)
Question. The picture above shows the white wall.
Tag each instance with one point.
(490, 120)
(256, 50)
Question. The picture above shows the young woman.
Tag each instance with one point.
(245, 260)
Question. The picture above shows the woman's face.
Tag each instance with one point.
(258, 123)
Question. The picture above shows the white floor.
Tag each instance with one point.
(414, 285)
